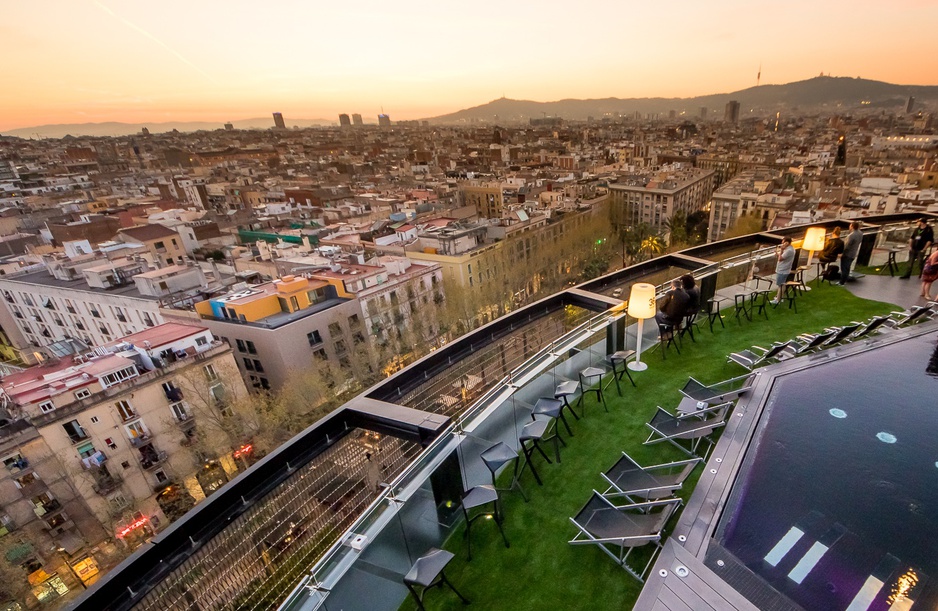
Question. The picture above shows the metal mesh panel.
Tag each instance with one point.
(456, 387)
(258, 558)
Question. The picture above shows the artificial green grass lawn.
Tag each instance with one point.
(541, 570)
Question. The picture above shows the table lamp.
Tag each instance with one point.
(641, 306)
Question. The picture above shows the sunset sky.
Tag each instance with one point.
(77, 61)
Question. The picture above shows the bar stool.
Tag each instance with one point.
(553, 408)
(742, 307)
(480, 496)
(564, 391)
(427, 573)
(533, 432)
(690, 321)
(713, 311)
(620, 357)
(495, 458)
(790, 294)
(759, 303)
(891, 264)
(586, 384)
(666, 338)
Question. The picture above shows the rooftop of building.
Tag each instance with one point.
(43, 278)
(160, 335)
(146, 233)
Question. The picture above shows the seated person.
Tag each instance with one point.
(673, 306)
(693, 291)
(832, 249)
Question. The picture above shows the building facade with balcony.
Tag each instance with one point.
(100, 446)
(655, 198)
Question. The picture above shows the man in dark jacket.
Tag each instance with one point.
(832, 249)
(673, 306)
(921, 240)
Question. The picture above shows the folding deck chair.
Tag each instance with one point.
(841, 334)
(629, 479)
(871, 325)
(618, 529)
(757, 355)
(693, 427)
(807, 343)
(728, 390)
(912, 315)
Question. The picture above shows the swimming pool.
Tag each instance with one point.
(836, 505)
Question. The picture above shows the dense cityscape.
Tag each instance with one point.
(176, 306)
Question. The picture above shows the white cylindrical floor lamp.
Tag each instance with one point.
(641, 306)
(813, 241)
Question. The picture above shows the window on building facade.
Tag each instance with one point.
(46, 406)
(124, 410)
(314, 338)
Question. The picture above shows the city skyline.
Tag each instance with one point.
(111, 60)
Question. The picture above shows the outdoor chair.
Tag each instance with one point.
(871, 325)
(619, 529)
(713, 312)
(757, 355)
(692, 428)
(629, 479)
(742, 307)
(842, 334)
(728, 390)
(477, 498)
(690, 321)
(427, 573)
(532, 434)
(759, 303)
(912, 315)
(806, 343)
(587, 377)
(618, 359)
(666, 336)
(496, 457)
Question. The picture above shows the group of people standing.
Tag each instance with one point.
(922, 239)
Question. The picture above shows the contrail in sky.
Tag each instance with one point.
(140, 30)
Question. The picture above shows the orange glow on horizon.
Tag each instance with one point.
(121, 60)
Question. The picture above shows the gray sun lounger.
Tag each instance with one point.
(693, 427)
(913, 314)
(728, 390)
(757, 355)
(619, 529)
(629, 479)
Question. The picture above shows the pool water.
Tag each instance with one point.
(837, 503)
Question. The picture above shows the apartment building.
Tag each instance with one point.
(743, 196)
(654, 198)
(277, 328)
(163, 244)
(98, 449)
(487, 197)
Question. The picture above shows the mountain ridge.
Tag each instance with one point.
(818, 92)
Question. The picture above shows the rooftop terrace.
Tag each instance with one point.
(404, 508)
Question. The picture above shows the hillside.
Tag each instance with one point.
(814, 94)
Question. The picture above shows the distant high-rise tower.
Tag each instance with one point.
(278, 121)
(357, 119)
(910, 104)
(703, 112)
(672, 114)
(229, 127)
(384, 120)
(344, 121)
(731, 115)
(841, 158)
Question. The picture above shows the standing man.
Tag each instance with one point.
(921, 241)
(851, 250)
(786, 257)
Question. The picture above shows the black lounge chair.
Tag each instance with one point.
(841, 334)
(618, 529)
(757, 355)
(871, 325)
(728, 390)
(912, 315)
(692, 427)
(629, 479)
(807, 343)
